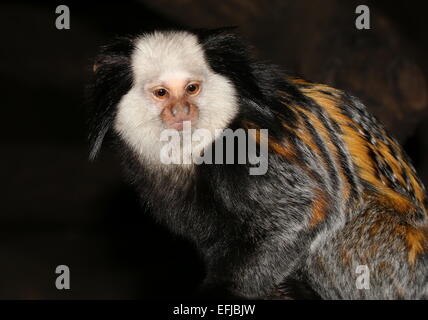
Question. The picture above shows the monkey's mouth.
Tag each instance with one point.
(179, 125)
(186, 123)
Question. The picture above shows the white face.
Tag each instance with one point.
(172, 83)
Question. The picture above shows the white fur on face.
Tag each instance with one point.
(168, 56)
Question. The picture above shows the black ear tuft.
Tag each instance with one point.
(255, 83)
(112, 79)
(229, 56)
(226, 53)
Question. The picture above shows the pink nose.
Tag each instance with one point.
(180, 110)
(174, 115)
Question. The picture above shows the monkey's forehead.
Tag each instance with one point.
(168, 54)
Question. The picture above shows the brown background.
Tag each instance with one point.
(57, 208)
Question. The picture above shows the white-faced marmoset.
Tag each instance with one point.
(338, 193)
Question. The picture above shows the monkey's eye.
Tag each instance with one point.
(160, 93)
(193, 88)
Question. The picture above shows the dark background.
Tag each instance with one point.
(57, 208)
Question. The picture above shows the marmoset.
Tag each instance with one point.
(338, 193)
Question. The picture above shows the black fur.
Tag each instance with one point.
(112, 79)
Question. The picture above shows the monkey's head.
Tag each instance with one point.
(158, 81)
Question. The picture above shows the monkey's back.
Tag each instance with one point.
(382, 221)
(357, 153)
